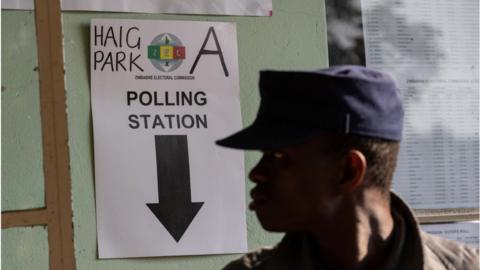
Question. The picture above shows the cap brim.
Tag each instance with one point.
(259, 137)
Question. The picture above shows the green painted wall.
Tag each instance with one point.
(25, 248)
(294, 38)
(22, 166)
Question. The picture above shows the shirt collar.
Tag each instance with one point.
(295, 251)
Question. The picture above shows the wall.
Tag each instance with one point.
(294, 38)
(22, 174)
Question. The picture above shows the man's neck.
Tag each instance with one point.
(360, 237)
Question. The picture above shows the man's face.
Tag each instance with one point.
(296, 186)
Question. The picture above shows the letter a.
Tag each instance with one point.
(203, 51)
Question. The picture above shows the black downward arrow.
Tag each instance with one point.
(175, 209)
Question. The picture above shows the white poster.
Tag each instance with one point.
(214, 7)
(432, 49)
(162, 93)
(464, 232)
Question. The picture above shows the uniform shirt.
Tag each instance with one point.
(412, 249)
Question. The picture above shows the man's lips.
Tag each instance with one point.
(259, 197)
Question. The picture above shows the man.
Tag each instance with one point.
(330, 140)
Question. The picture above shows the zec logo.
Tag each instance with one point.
(166, 52)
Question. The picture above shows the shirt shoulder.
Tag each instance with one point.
(451, 254)
(252, 260)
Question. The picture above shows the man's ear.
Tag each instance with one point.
(355, 167)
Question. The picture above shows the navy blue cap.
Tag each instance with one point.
(299, 105)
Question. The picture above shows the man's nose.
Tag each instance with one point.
(258, 174)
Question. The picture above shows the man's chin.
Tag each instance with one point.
(270, 224)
